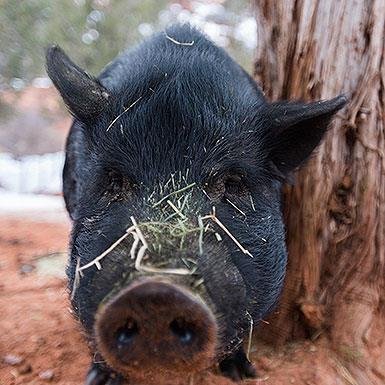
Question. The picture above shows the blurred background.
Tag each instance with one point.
(33, 120)
(40, 341)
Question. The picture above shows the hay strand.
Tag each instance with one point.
(121, 114)
(225, 229)
(176, 209)
(76, 279)
(236, 207)
(252, 203)
(190, 43)
(250, 335)
(173, 193)
(96, 261)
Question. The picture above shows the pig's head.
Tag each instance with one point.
(172, 178)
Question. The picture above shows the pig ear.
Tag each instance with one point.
(85, 97)
(298, 129)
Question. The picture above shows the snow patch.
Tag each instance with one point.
(39, 174)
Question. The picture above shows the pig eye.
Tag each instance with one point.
(118, 186)
(234, 185)
(226, 186)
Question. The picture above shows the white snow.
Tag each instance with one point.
(218, 22)
(246, 32)
(32, 174)
(11, 202)
(42, 82)
(36, 206)
(28, 185)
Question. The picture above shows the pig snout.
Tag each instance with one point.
(156, 327)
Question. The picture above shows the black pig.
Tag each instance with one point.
(172, 178)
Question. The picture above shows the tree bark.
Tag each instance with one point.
(335, 213)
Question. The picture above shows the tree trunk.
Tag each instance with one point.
(335, 212)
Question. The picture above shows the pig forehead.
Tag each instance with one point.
(153, 147)
(188, 108)
(186, 99)
(158, 64)
(190, 89)
(173, 129)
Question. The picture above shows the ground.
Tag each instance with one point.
(36, 323)
(41, 343)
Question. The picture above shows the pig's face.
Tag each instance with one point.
(172, 177)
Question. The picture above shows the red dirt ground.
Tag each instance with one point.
(36, 325)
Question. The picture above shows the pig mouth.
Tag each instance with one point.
(156, 328)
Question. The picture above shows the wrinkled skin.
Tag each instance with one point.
(160, 118)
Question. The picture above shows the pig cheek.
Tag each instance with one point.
(227, 296)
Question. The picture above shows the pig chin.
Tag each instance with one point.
(154, 329)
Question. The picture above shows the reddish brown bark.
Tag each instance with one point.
(335, 213)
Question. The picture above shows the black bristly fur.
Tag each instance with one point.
(164, 108)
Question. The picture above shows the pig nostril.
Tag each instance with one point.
(181, 329)
(126, 334)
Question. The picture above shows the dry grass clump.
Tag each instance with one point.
(159, 246)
